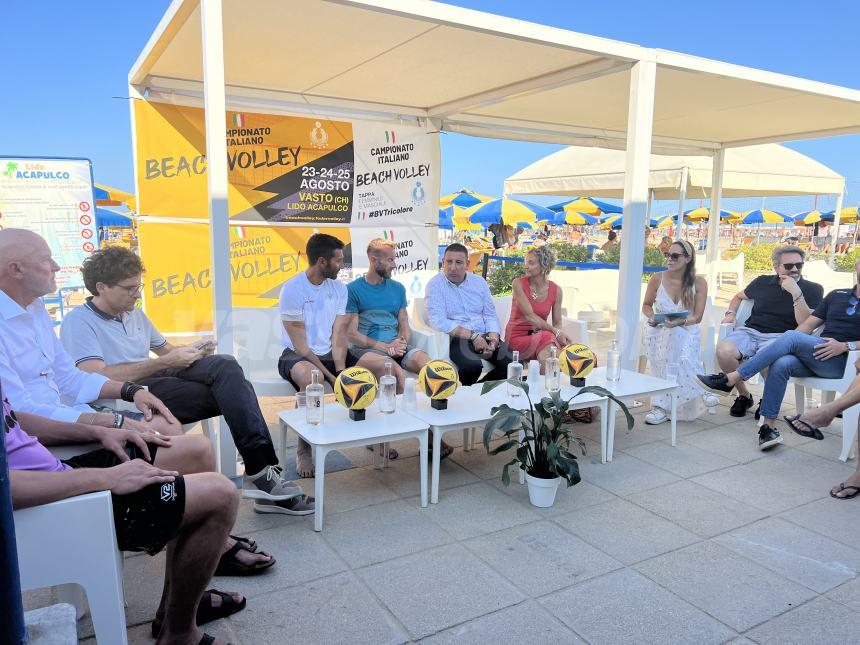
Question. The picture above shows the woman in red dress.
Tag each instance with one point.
(536, 301)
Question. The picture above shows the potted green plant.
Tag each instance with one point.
(542, 441)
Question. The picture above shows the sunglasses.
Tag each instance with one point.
(852, 306)
(790, 265)
(674, 256)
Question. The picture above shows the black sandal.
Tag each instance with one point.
(807, 430)
(229, 564)
(247, 543)
(206, 613)
(208, 640)
(842, 487)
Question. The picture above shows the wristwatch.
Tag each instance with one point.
(732, 312)
(474, 336)
(851, 346)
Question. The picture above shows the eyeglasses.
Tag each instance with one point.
(133, 289)
(674, 256)
(852, 306)
(790, 265)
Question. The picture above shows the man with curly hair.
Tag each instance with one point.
(110, 335)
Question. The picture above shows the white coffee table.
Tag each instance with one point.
(632, 385)
(468, 408)
(338, 431)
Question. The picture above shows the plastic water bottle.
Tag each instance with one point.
(552, 371)
(410, 401)
(613, 362)
(315, 397)
(388, 390)
(515, 371)
(533, 375)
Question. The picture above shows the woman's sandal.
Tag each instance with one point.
(208, 640)
(807, 430)
(842, 487)
(229, 564)
(206, 613)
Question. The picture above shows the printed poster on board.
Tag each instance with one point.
(54, 198)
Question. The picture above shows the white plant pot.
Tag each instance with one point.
(542, 491)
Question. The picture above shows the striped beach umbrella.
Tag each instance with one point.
(464, 198)
(847, 215)
(702, 214)
(613, 222)
(508, 211)
(662, 222)
(807, 218)
(587, 205)
(575, 218)
(760, 217)
(107, 196)
(461, 223)
(446, 218)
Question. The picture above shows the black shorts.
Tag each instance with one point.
(289, 358)
(148, 519)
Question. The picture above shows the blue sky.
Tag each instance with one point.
(62, 63)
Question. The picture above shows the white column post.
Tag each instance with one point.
(640, 117)
(682, 200)
(834, 236)
(215, 106)
(215, 116)
(713, 252)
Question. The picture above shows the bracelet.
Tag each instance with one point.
(474, 336)
(798, 299)
(129, 390)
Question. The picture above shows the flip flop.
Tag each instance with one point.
(229, 564)
(842, 487)
(807, 430)
(206, 613)
(247, 543)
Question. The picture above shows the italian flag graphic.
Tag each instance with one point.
(389, 136)
(239, 120)
(388, 235)
(239, 231)
(362, 215)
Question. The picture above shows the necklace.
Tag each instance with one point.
(536, 292)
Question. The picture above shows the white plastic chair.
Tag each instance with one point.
(72, 541)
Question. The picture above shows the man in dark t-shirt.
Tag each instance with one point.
(799, 353)
(781, 302)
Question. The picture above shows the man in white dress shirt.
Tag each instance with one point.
(459, 303)
(38, 376)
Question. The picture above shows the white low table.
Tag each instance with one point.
(632, 385)
(468, 408)
(338, 431)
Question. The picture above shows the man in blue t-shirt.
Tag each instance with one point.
(799, 353)
(377, 322)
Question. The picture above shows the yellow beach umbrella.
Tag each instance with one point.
(462, 223)
(107, 196)
(464, 198)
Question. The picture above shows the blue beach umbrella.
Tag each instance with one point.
(508, 211)
(446, 218)
(587, 205)
(107, 217)
(761, 217)
(463, 198)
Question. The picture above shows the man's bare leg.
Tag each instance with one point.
(190, 454)
(301, 375)
(211, 502)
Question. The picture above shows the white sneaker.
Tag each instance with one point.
(656, 417)
(711, 401)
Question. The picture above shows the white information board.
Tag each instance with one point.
(54, 198)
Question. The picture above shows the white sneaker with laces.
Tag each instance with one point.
(656, 417)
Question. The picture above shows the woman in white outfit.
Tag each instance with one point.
(677, 340)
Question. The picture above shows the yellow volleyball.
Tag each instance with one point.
(577, 360)
(438, 380)
(355, 388)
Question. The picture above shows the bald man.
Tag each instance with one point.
(38, 376)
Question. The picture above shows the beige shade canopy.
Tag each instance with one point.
(767, 169)
(480, 74)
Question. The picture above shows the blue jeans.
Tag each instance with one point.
(787, 356)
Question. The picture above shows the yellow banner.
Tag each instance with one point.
(178, 292)
(280, 168)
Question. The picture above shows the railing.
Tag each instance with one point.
(582, 266)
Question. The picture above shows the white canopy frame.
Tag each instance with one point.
(466, 71)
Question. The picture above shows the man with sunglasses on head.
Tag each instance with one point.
(799, 353)
(781, 302)
(110, 335)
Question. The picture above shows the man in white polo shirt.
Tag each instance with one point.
(109, 335)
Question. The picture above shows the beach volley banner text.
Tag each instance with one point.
(178, 291)
(287, 169)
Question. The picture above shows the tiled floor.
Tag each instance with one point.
(707, 542)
